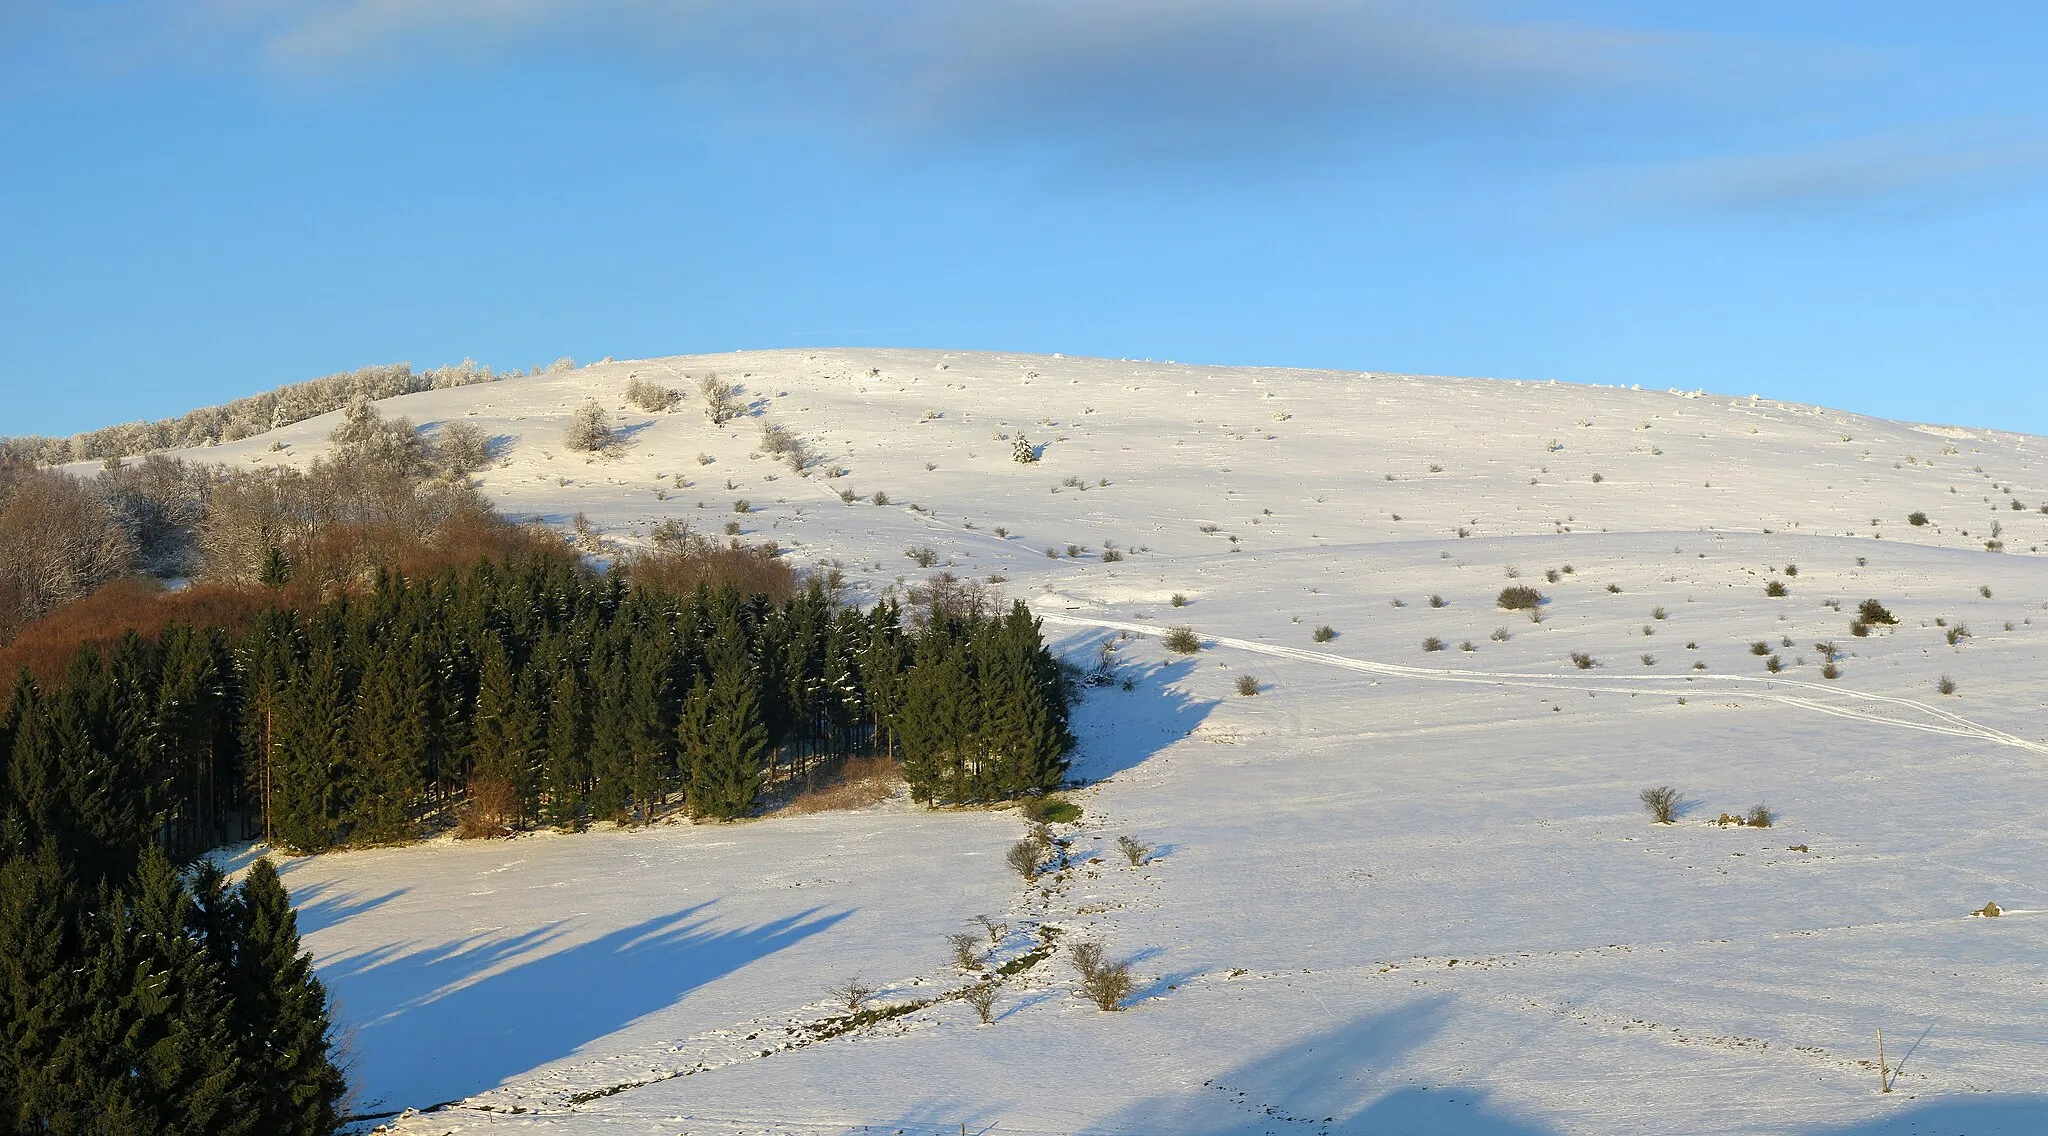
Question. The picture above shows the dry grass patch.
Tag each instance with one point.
(859, 783)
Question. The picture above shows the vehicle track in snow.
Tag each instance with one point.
(1835, 701)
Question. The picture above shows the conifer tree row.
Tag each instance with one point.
(560, 694)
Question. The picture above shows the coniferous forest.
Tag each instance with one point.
(517, 694)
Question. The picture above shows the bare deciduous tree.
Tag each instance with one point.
(1662, 802)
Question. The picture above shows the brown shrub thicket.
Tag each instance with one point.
(692, 560)
(490, 812)
(858, 783)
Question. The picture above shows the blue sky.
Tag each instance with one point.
(1843, 203)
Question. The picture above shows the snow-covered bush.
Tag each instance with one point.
(651, 397)
(589, 429)
(461, 448)
(782, 442)
(721, 399)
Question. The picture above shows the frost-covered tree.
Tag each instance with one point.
(589, 429)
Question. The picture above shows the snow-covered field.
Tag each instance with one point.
(1398, 890)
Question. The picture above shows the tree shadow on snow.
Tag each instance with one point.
(440, 1022)
(323, 905)
(1323, 1085)
(1119, 729)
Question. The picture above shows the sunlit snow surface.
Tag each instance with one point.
(1397, 891)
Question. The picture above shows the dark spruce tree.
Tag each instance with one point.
(311, 752)
(390, 738)
(724, 740)
(281, 1013)
(42, 990)
(565, 777)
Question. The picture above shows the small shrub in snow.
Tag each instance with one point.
(923, 555)
(1871, 611)
(965, 948)
(1830, 671)
(1023, 451)
(982, 997)
(1614, 589)
(1137, 852)
(1103, 982)
(1582, 660)
(1760, 648)
(852, 993)
(1438, 601)
(1947, 685)
(1916, 518)
(1024, 856)
(1760, 816)
(1183, 640)
(1501, 635)
(880, 498)
(1178, 600)
(1791, 569)
(1774, 664)
(1775, 589)
(995, 930)
(782, 442)
(1519, 597)
(1662, 803)
(1432, 644)
(1247, 685)
(1324, 633)
(1657, 613)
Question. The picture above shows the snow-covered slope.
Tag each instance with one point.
(1399, 889)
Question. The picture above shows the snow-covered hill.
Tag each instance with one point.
(1399, 889)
